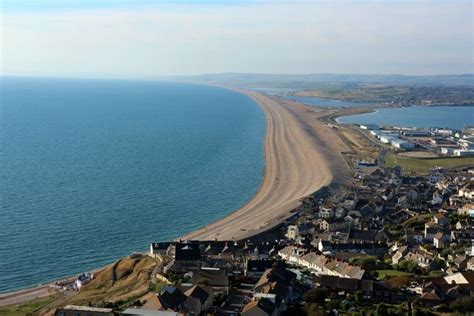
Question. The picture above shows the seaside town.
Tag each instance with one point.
(391, 242)
(237, 158)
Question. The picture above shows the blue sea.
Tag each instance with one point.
(92, 170)
(455, 117)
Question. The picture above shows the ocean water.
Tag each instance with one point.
(92, 170)
(456, 117)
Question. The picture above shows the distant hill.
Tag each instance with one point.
(308, 81)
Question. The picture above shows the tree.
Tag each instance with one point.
(313, 310)
(358, 297)
(368, 263)
(381, 310)
(463, 304)
(398, 282)
(317, 295)
(411, 266)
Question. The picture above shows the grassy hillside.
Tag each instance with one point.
(125, 281)
(30, 308)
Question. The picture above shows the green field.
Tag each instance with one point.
(383, 274)
(30, 308)
(424, 165)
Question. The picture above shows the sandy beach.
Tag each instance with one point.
(302, 155)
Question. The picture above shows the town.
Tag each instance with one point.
(389, 244)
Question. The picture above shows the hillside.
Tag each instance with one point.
(123, 282)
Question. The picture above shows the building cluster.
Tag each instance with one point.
(441, 141)
(388, 238)
(220, 277)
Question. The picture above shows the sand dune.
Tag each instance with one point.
(299, 160)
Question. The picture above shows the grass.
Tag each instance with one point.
(418, 219)
(30, 308)
(383, 274)
(424, 165)
(126, 280)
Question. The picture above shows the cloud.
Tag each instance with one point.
(269, 37)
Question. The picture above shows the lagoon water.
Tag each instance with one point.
(456, 117)
(314, 101)
(92, 170)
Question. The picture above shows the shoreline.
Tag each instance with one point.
(277, 112)
(295, 167)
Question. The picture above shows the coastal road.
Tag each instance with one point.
(298, 162)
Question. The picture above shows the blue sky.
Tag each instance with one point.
(151, 38)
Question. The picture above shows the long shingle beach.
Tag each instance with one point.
(302, 155)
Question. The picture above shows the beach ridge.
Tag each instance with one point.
(296, 165)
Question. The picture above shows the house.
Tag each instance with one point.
(372, 248)
(439, 240)
(375, 291)
(302, 229)
(437, 198)
(261, 307)
(255, 268)
(460, 225)
(279, 281)
(170, 298)
(361, 236)
(292, 232)
(326, 212)
(431, 228)
(466, 277)
(332, 225)
(470, 264)
(414, 236)
(291, 254)
(322, 264)
(437, 291)
(187, 251)
(198, 301)
(216, 278)
(462, 236)
(74, 310)
(467, 190)
(399, 254)
(412, 195)
(461, 262)
(134, 311)
(466, 209)
(422, 258)
(186, 256)
(159, 249)
(440, 219)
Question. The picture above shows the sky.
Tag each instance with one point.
(162, 38)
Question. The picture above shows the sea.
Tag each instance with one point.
(93, 170)
(454, 117)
